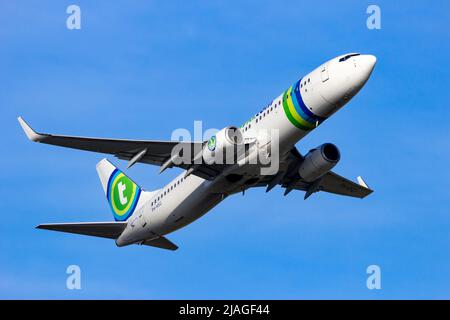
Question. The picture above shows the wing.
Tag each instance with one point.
(111, 230)
(330, 182)
(145, 151)
(334, 183)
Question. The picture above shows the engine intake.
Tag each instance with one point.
(319, 161)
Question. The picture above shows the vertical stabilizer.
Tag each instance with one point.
(123, 194)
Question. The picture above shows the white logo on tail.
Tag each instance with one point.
(121, 188)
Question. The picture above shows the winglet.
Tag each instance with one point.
(31, 134)
(362, 183)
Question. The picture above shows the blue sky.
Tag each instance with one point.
(141, 70)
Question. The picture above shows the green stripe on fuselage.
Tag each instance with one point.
(289, 115)
(294, 112)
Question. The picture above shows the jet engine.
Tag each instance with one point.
(224, 146)
(319, 161)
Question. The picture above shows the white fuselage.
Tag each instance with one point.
(322, 92)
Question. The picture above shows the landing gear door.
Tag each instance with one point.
(324, 72)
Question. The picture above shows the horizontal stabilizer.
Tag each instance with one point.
(111, 230)
(162, 243)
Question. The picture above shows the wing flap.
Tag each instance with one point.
(111, 230)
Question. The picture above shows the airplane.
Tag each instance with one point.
(146, 217)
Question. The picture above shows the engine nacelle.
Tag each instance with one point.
(319, 161)
(223, 146)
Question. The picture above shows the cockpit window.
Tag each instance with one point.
(349, 56)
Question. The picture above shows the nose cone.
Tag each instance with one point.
(363, 67)
(346, 76)
(366, 64)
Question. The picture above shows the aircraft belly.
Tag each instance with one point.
(189, 209)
